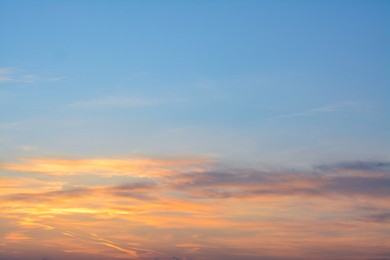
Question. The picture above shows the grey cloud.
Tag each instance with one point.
(138, 190)
(130, 190)
(219, 178)
(370, 186)
(358, 165)
(47, 196)
(134, 186)
(383, 217)
(246, 183)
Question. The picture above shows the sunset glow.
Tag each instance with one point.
(247, 213)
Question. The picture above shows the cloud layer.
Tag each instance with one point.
(147, 208)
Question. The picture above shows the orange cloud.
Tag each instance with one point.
(136, 167)
(192, 211)
(15, 236)
(20, 184)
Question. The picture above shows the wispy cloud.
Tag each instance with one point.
(6, 74)
(14, 236)
(14, 75)
(136, 167)
(118, 102)
(357, 165)
(331, 108)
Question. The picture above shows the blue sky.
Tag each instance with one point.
(251, 81)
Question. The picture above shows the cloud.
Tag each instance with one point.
(20, 184)
(119, 102)
(134, 251)
(325, 109)
(194, 209)
(194, 178)
(37, 196)
(136, 167)
(357, 165)
(136, 190)
(100, 241)
(358, 185)
(114, 102)
(15, 236)
(6, 74)
(383, 217)
(241, 183)
(14, 75)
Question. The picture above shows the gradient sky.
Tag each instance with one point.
(194, 130)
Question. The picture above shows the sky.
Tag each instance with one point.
(194, 130)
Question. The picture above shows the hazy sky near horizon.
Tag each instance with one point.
(194, 129)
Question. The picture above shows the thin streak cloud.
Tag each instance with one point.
(119, 102)
(14, 75)
(331, 108)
